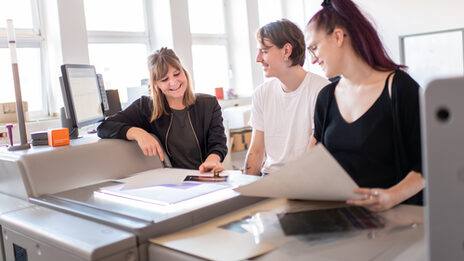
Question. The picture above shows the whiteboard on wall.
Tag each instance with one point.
(433, 55)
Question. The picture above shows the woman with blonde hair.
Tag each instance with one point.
(188, 126)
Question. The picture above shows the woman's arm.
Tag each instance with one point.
(378, 199)
(133, 124)
(147, 143)
(406, 105)
(136, 115)
(216, 137)
(216, 141)
(319, 115)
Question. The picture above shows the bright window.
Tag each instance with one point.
(118, 42)
(30, 77)
(24, 14)
(209, 45)
(18, 10)
(206, 16)
(269, 11)
(114, 15)
(209, 73)
(122, 65)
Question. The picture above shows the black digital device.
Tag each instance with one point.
(111, 103)
(329, 220)
(101, 85)
(82, 96)
(114, 103)
(206, 178)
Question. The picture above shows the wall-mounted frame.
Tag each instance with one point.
(433, 55)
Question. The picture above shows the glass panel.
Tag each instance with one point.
(19, 11)
(269, 11)
(206, 76)
(206, 16)
(443, 50)
(114, 15)
(122, 65)
(29, 74)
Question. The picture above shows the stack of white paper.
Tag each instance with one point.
(165, 186)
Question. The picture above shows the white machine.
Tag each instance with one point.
(442, 117)
(49, 211)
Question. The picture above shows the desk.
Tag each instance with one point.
(402, 238)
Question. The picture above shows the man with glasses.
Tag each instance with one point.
(282, 107)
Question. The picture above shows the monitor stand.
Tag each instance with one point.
(73, 133)
(66, 123)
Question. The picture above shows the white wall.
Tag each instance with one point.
(395, 18)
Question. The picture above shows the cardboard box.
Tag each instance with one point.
(241, 141)
(237, 117)
(8, 112)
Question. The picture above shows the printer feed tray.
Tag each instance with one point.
(164, 194)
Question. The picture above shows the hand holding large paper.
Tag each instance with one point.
(316, 175)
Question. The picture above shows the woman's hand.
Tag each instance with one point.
(212, 163)
(375, 199)
(147, 143)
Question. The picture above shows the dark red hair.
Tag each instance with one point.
(366, 42)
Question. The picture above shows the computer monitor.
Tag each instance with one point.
(81, 94)
(442, 116)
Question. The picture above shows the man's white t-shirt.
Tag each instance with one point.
(285, 118)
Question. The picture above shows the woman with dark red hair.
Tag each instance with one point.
(368, 119)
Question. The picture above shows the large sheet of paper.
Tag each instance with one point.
(165, 186)
(165, 194)
(316, 175)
